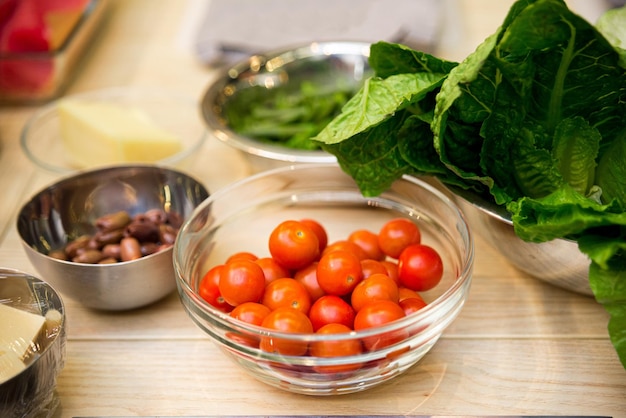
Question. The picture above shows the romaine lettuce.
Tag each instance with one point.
(534, 119)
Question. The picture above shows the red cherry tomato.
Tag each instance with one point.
(293, 245)
(412, 305)
(392, 269)
(271, 269)
(376, 314)
(308, 277)
(241, 281)
(286, 292)
(420, 267)
(406, 293)
(396, 234)
(209, 289)
(376, 287)
(368, 241)
(242, 255)
(251, 312)
(345, 245)
(319, 230)
(331, 309)
(287, 320)
(336, 348)
(370, 267)
(338, 272)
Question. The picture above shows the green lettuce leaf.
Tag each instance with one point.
(611, 172)
(387, 59)
(378, 100)
(386, 126)
(609, 288)
(575, 149)
(564, 213)
(372, 162)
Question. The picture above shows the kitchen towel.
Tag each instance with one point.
(232, 29)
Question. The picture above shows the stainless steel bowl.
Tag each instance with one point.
(340, 64)
(558, 262)
(68, 209)
(30, 393)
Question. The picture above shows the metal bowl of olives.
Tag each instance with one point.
(104, 237)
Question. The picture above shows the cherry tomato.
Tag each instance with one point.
(293, 245)
(392, 269)
(369, 267)
(209, 289)
(308, 277)
(345, 245)
(320, 231)
(242, 255)
(331, 309)
(241, 281)
(286, 320)
(251, 312)
(286, 292)
(406, 293)
(396, 234)
(368, 241)
(420, 267)
(376, 287)
(336, 348)
(412, 305)
(376, 314)
(271, 269)
(338, 272)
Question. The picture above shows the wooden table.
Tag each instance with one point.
(519, 346)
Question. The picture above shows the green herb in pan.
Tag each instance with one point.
(287, 118)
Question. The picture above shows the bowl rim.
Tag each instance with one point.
(462, 279)
(106, 94)
(270, 151)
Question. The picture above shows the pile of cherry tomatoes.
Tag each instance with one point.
(308, 285)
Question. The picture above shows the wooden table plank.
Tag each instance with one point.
(459, 376)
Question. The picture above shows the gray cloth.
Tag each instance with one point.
(235, 28)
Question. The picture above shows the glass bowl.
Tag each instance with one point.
(40, 76)
(241, 216)
(172, 112)
(28, 390)
(327, 66)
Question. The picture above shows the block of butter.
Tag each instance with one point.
(100, 133)
(18, 332)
